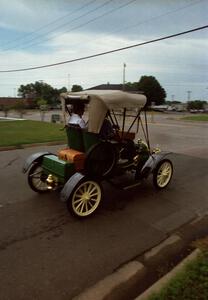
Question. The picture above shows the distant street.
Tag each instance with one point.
(47, 254)
(189, 138)
(165, 131)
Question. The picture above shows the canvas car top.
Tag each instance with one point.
(100, 101)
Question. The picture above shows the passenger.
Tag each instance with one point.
(106, 131)
(76, 115)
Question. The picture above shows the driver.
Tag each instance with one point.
(106, 131)
(76, 115)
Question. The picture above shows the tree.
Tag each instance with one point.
(40, 89)
(131, 86)
(20, 107)
(152, 89)
(197, 104)
(168, 102)
(77, 88)
(5, 108)
(27, 91)
(42, 104)
(62, 90)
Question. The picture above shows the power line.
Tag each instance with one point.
(85, 23)
(159, 16)
(148, 20)
(60, 26)
(122, 29)
(48, 24)
(94, 19)
(107, 52)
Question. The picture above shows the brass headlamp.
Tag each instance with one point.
(51, 182)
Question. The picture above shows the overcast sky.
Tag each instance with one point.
(39, 32)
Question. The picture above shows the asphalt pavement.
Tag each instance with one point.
(47, 254)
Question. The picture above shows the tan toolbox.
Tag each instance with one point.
(74, 156)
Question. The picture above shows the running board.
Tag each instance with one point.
(131, 186)
(125, 184)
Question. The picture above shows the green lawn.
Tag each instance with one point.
(16, 133)
(197, 118)
(189, 284)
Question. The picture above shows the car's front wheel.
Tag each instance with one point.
(162, 174)
(85, 199)
(37, 179)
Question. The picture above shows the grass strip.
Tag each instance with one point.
(189, 284)
(16, 133)
(200, 118)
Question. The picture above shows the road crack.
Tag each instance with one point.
(54, 231)
(10, 162)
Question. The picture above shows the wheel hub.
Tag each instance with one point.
(165, 173)
(86, 197)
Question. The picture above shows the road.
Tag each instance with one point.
(47, 254)
(169, 133)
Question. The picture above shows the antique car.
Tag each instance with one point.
(90, 158)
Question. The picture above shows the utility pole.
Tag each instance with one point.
(172, 97)
(124, 76)
(189, 95)
(41, 82)
(69, 87)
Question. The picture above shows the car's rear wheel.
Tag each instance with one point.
(85, 199)
(162, 174)
(37, 179)
(101, 159)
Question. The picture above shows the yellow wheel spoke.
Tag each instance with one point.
(91, 189)
(94, 199)
(78, 206)
(79, 193)
(160, 180)
(86, 187)
(91, 205)
(94, 194)
(38, 183)
(78, 200)
(36, 173)
(86, 206)
(82, 207)
(82, 189)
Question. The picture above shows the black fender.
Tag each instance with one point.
(70, 185)
(152, 163)
(32, 159)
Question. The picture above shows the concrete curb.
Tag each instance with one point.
(116, 285)
(124, 283)
(168, 245)
(7, 148)
(166, 279)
